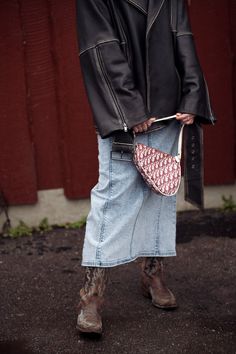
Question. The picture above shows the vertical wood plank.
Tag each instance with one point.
(210, 22)
(232, 12)
(17, 168)
(41, 92)
(77, 132)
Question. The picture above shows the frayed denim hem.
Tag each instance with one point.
(104, 264)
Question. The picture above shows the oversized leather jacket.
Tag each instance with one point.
(138, 60)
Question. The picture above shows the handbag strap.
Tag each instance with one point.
(180, 141)
(179, 153)
(164, 118)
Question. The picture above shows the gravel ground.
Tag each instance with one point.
(41, 278)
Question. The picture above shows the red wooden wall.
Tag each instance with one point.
(232, 11)
(45, 121)
(212, 29)
(46, 130)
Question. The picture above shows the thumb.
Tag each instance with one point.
(152, 119)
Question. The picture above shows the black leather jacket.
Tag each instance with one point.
(138, 60)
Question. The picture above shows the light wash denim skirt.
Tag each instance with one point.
(127, 219)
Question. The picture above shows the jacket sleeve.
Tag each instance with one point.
(195, 96)
(115, 101)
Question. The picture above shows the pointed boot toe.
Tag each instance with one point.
(88, 323)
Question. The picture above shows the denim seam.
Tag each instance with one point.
(150, 140)
(158, 225)
(145, 188)
(105, 209)
(131, 242)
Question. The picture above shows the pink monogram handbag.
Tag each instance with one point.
(161, 171)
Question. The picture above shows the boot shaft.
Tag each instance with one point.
(95, 281)
(152, 266)
(91, 299)
(153, 283)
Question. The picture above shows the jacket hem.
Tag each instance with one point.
(138, 120)
(204, 117)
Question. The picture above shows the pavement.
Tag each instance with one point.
(41, 276)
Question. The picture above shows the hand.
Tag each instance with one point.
(143, 127)
(186, 118)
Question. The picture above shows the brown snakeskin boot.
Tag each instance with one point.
(153, 284)
(91, 299)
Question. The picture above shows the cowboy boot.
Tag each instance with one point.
(153, 284)
(91, 300)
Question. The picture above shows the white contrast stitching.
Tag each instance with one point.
(99, 43)
(184, 34)
(138, 6)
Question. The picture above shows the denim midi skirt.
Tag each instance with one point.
(127, 219)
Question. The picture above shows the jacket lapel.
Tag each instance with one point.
(154, 8)
(151, 8)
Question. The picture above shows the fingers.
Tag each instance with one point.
(185, 118)
(140, 128)
(143, 127)
(151, 120)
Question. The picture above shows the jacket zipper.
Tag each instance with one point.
(110, 88)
